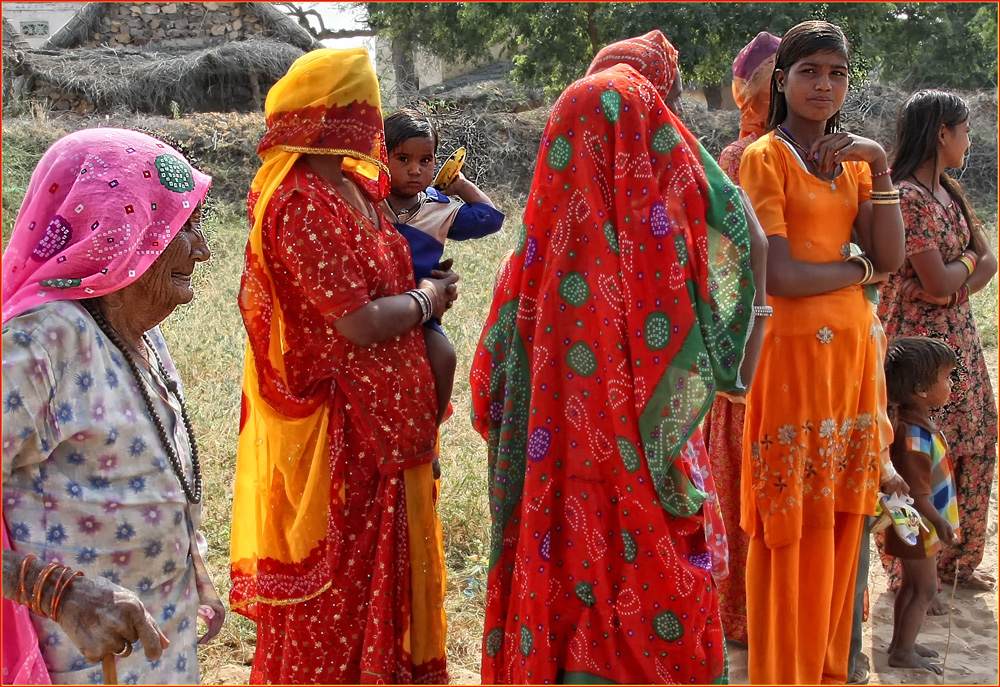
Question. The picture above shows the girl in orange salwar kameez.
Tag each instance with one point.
(336, 546)
(812, 437)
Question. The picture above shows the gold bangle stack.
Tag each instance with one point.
(885, 197)
(968, 261)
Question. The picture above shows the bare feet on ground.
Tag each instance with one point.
(910, 659)
(936, 607)
(980, 580)
(919, 650)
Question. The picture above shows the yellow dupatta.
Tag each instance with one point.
(327, 103)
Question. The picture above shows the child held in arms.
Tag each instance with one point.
(427, 217)
(918, 379)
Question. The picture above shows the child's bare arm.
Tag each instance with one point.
(922, 503)
(467, 191)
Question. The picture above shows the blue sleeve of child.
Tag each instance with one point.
(474, 221)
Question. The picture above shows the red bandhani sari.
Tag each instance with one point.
(624, 308)
(336, 547)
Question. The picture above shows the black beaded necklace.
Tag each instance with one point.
(192, 492)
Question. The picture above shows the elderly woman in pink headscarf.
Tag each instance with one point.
(101, 481)
(723, 425)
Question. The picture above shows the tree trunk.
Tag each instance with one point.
(595, 38)
(402, 66)
(713, 96)
(256, 101)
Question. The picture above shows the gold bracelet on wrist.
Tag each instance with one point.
(885, 202)
(968, 262)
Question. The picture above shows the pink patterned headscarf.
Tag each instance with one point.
(752, 71)
(652, 55)
(101, 207)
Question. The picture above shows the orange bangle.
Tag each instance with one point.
(21, 594)
(57, 596)
(37, 589)
(55, 586)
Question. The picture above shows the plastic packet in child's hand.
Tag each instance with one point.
(905, 518)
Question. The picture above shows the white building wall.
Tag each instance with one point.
(37, 21)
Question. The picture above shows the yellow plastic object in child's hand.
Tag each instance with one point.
(449, 171)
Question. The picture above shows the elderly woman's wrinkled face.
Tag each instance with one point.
(167, 282)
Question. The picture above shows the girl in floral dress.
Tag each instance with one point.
(948, 258)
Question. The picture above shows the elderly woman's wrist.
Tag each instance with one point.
(42, 586)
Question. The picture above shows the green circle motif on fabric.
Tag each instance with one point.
(560, 153)
(657, 331)
(665, 138)
(585, 593)
(611, 101)
(667, 626)
(581, 359)
(631, 548)
(526, 640)
(494, 641)
(174, 173)
(611, 236)
(629, 453)
(522, 239)
(574, 289)
(680, 245)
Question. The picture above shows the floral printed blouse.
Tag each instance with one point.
(86, 483)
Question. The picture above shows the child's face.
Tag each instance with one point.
(411, 166)
(940, 392)
(815, 86)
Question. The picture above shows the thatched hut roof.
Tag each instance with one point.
(230, 76)
(87, 21)
(12, 38)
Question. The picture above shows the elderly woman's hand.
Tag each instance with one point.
(102, 618)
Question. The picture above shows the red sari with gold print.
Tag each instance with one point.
(336, 548)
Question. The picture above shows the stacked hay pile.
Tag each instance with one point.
(159, 58)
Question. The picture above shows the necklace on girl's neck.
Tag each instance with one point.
(806, 157)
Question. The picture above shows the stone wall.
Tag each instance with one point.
(175, 25)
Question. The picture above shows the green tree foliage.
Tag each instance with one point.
(948, 45)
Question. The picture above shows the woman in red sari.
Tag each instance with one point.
(627, 303)
(336, 546)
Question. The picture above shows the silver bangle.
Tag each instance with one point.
(763, 311)
(424, 301)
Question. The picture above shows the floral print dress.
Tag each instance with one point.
(969, 420)
(87, 484)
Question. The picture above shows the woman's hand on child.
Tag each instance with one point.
(442, 287)
(830, 150)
